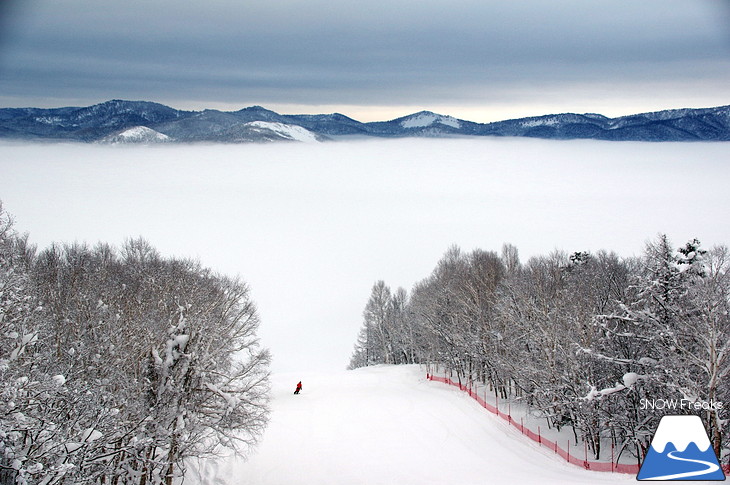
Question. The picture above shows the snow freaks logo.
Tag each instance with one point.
(680, 404)
(680, 450)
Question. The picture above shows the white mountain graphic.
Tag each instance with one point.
(680, 450)
(680, 430)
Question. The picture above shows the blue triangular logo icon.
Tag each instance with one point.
(680, 450)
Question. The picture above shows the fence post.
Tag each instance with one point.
(539, 436)
(611, 456)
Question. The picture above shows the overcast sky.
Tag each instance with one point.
(480, 60)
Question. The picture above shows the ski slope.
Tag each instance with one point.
(388, 425)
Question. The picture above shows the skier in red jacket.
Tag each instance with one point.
(299, 388)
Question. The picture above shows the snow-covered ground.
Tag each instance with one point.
(292, 132)
(388, 425)
(137, 134)
(426, 118)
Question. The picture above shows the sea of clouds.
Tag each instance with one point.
(312, 226)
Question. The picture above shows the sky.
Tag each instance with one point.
(311, 227)
(481, 60)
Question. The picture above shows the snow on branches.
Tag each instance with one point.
(581, 338)
(116, 365)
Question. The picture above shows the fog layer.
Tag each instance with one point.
(312, 227)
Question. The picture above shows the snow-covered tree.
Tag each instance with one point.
(375, 344)
(387, 335)
(582, 338)
(672, 329)
(117, 365)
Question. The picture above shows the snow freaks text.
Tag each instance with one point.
(680, 405)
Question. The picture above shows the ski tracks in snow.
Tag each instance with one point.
(386, 425)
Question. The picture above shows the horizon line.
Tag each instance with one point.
(222, 110)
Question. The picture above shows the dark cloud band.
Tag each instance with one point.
(354, 52)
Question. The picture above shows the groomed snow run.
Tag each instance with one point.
(387, 425)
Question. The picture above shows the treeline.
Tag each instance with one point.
(587, 340)
(118, 364)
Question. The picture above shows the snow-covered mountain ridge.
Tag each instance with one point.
(426, 118)
(293, 132)
(137, 134)
(113, 118)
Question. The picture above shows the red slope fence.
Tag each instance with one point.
(566, 454)
(552, 445)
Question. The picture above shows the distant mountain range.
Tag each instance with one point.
(120, 121)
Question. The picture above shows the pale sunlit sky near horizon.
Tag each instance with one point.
(479, 60)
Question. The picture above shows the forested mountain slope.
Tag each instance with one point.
(107, 121)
